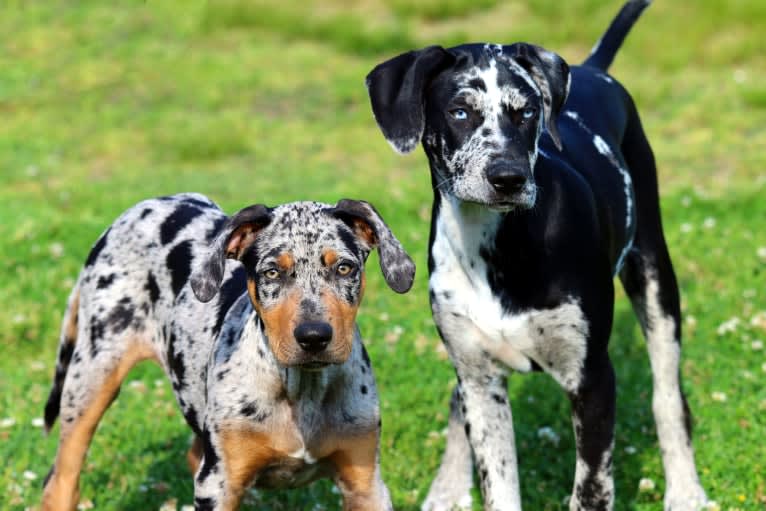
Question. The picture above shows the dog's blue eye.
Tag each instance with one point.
(459, 114)
(528, 113)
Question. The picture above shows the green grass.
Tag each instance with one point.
(103, 105)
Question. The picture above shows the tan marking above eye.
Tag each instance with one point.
(329, 257)
(286, 261)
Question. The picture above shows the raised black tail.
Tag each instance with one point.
(603, 53)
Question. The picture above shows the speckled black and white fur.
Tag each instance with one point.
(266, 362)
(545, 188)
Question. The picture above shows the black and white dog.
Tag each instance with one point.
(545, 188)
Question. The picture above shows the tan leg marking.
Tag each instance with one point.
(355, 462)
(62, 492)
(244, 453)
(194, 454)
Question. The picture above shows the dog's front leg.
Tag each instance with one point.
(489, 426)
(231, 458)
(357, 469)
(593, 408)
(451, 489)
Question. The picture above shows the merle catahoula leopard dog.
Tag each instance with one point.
(271, 376)
(545, 188)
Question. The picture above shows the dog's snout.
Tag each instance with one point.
(506, 177)
(313, 336)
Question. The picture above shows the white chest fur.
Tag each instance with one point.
(472, 317)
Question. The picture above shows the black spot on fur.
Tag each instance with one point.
(52, 406)
(230, 291)
(191, 418)
(152, 288)
(121, 316)
(146, 213)
(499, 399)
(366, 357)
(97, 248)
(363, 389)
(179, 263)
(176, 363)
(478, 83)
(254, 412)
(210, 460)
(105, 281)
(176, 221)
(96, 335)
(206, 504)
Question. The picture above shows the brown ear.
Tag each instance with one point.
(369, 227)
(235, 237)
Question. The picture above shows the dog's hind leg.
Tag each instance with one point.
(90, 383)
(452, 487)
(650, 282)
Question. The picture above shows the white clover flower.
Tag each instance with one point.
(546, 433)
(38, 422)
(728, 326)
(718, 396)
(646, 484)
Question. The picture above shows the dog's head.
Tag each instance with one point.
(305, 273)
(479, 110)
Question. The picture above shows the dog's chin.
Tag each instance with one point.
(505, 204)
(312, 366)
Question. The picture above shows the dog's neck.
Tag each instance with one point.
(465, 224)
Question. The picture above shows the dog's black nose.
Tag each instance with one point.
(313, 336)
(506, 178)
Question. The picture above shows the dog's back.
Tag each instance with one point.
(127, 295)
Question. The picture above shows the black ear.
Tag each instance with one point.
(551, 74)
(236, 236)
(397, 267)
(397, 93)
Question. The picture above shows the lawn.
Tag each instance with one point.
(105, 104)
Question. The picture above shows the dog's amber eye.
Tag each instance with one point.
(344, 269)
(271, 274)
(459, 114)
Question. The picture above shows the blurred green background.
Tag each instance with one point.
(104, 104)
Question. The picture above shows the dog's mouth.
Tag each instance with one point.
(313, 366)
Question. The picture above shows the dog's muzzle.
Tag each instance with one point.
(512, 184)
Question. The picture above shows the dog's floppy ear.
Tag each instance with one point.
(551, 74)
(397, 267)
(236, 236)
(397, 93)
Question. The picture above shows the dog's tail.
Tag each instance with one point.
(67, 340)
(603, 52)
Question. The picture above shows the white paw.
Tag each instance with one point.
(445, 501)
(689, 499)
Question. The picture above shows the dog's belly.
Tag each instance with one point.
(291, 472)
(471, 317)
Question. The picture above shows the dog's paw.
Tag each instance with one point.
(689, 499)
(445, 501)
